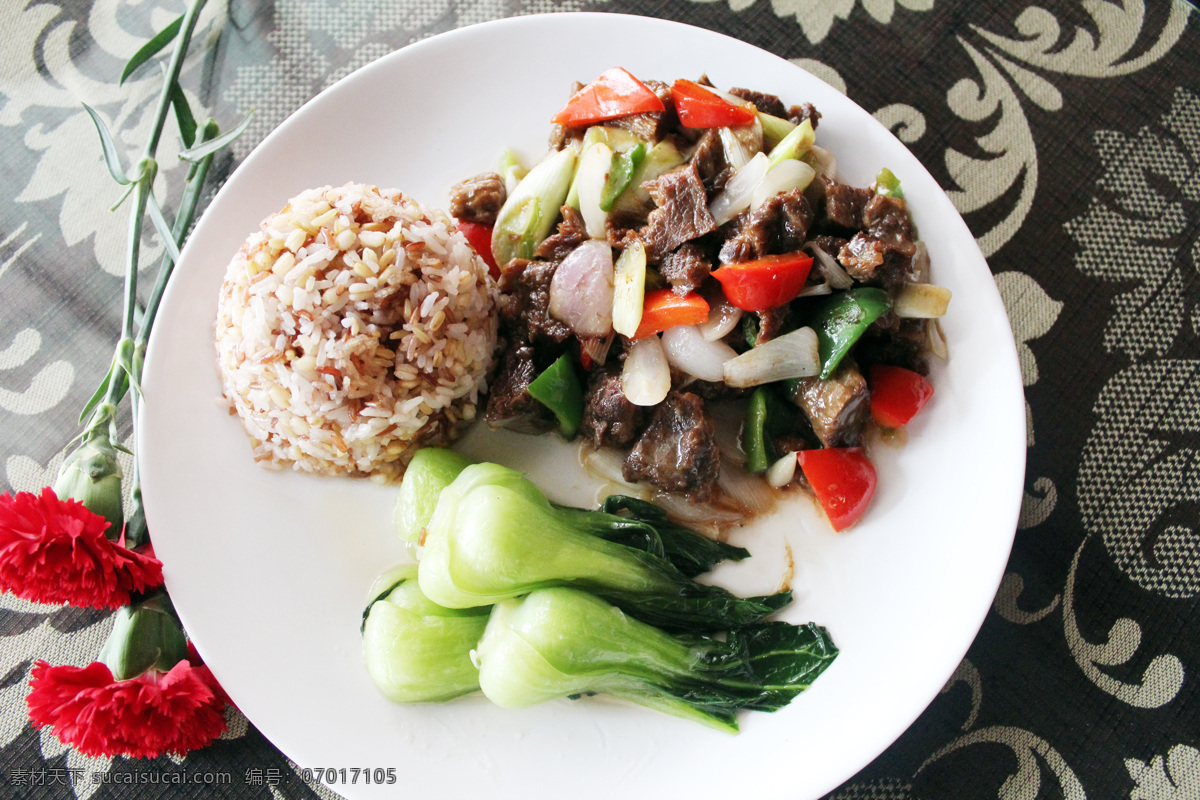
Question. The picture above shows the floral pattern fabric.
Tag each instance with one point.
(1068, 135)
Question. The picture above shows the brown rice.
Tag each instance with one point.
(355, 326)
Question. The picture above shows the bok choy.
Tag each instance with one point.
(562, 642)
(495, 536)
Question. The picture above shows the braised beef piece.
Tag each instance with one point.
(571, 232)
(896, 341)
(686, 268)
(678, 450)
(509, 404)
(526, 316)
(804, 111)
(771, 324)
(766, 103)
(478, 199)
(709, 158)
(681, 212)
(608, 416)
(777, 226)
(837, 407)
(651, 126)
(844, 204)
(882, 253)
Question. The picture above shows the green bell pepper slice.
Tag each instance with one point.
(767, 416)
(558, 389)
(840, 319)
(624, 163)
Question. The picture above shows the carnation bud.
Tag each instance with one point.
(145, 635)
(92, 476)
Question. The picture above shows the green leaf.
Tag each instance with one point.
(111, 157)
(164, 229)
(183, 115)
(97, 396)
(152, 48)
(199, 152)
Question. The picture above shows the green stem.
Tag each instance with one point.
(190, 18)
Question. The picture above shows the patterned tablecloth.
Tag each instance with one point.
(1066, 132)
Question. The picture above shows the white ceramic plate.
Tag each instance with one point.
(269, 570)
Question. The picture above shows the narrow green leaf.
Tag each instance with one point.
(197, 153)
(163, 227)
(97, 396)
(111, 157)
(151, 48)
(183, 115)
(124, 196)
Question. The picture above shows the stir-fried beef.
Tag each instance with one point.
(804, 111)
(678, 450)
(844, 204)
(897, 341)
(681, 212)
(571, 233)
(509, 403)
(883, 252)
(766, 103)
(711, 165)
(608, 416)
(771, 323)
(651, 126)
(527, 313)
(838, 407)
(777, 226)
(686, 268)
(478, 199)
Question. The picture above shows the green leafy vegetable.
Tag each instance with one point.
(431, 470)
(495, 536)
(416, 650)
(562, 642)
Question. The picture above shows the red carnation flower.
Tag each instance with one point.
(55, 551)
(143, 717)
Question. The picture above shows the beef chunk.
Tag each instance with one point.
(608, 416)
(883, 252)
(777, 226)
(771, 324)
(478, 199)
(678, 450)
(571, 233)
(651, 126)
(526, 316)
(686, 268)
(838, 407)
(509, 404)
(766, 103)
(681, 213)
(896, 341)
(709, 158)
(804, 111)
(844, 204)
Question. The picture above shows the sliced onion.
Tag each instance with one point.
(581, 292)
(785, 176)
(704, 517)
(688, 351)
(793, 355)
(740, 143)
(594, 166)
(748, 492)
(737, 193)
(723, 317)
(921, 301)
(782, 472)
(596, 347)
(629, 292)
(829, 268)
(936, 338)
(822, 161)
(920, 263)
(816, 289)
(646, 376)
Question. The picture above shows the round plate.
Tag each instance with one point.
(269, 570)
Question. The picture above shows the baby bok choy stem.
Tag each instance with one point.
(563, 642)
(495, 536)
(416, 650)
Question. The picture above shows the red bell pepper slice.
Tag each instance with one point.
(897, 394)
(614, 94)
(663, 309)
(480, 238)
(843, 480)
(698, 107)
(765, 283)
